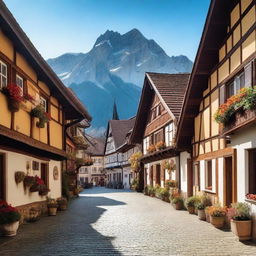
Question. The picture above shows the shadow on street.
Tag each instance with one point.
(68, 233)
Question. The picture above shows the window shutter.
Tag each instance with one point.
(222, 94)
(248, 75)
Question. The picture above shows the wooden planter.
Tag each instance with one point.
(62, 207)
(201, 214)
(13, 105)
(52, 211)
(217, 222)
(207, 216)
(191, 209)
(178, 206)
(242, 229)
(9, 229)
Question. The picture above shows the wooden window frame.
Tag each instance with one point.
(2, 75)
(18, 77)
(206, 171)
(232, 81)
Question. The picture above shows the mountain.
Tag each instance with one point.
(113, 70)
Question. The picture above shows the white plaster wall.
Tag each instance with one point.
(246, 139)
(221, 179)
(16, 194)
(184, 156)
(126, 172)
(54, 185)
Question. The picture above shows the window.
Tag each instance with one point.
(208, 175)
(145, 145)
(3, 75)
(252, 171)
(169, 134)
(196, 174)
(158, 136)
(20, 82)
(43, 103)
(237, 84)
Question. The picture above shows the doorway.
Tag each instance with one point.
(44, 174)
(158, 174)
(228, 181)
(2, 177)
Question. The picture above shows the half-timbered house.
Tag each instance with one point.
(35, 110)
(155, 126)
(115, 160)
(223, 157)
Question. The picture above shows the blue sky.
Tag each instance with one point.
(59, 26)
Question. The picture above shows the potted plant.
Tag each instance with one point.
(52, 206)
(151, 148)
(217, 215)
(177, 202)
(165, 194)
(207, 214)
(43, 190)
(201, 211)
(62, 203)
(241, 223)
(29, 181)
(158, 191)
(191, 203)
(14, 97)
(160, 145)
(171, 183)
(9, 219)
(151, 191)
(19, 177)
(40, 113)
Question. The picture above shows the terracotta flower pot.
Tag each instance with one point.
(201, 214)
(217, 222)
(191, 209)
(207, 216)
(242, 229)
(62, 207)
(178, 206)
(9, 229)
(52, 211)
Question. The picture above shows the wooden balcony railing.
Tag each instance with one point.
(239, 120)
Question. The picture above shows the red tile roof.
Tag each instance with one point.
(172, 89)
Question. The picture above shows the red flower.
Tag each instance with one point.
(14, 92)
(39, 181)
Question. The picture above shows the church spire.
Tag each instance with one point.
(115, 114)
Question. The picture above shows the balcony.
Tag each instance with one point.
(239, 120)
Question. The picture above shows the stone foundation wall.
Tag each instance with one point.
(32, 210)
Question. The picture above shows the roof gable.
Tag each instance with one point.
(170, 89)
(214, 33)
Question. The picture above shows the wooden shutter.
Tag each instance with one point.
(222, 94)
(248, 75)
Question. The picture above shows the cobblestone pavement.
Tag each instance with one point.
(115, 222)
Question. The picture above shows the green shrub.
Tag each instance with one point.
(192, 201)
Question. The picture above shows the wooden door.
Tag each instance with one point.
(2, 177)
(45, 174)
(252, 171)
(190, 177)
(158, 174)
(228, 181)
(151, 177)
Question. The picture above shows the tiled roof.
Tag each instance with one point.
(120, 128)
(172, 89)
(96, 146)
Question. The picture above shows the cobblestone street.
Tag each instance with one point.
(116, 222)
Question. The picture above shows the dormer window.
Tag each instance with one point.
(20, 82)
(3, 75)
